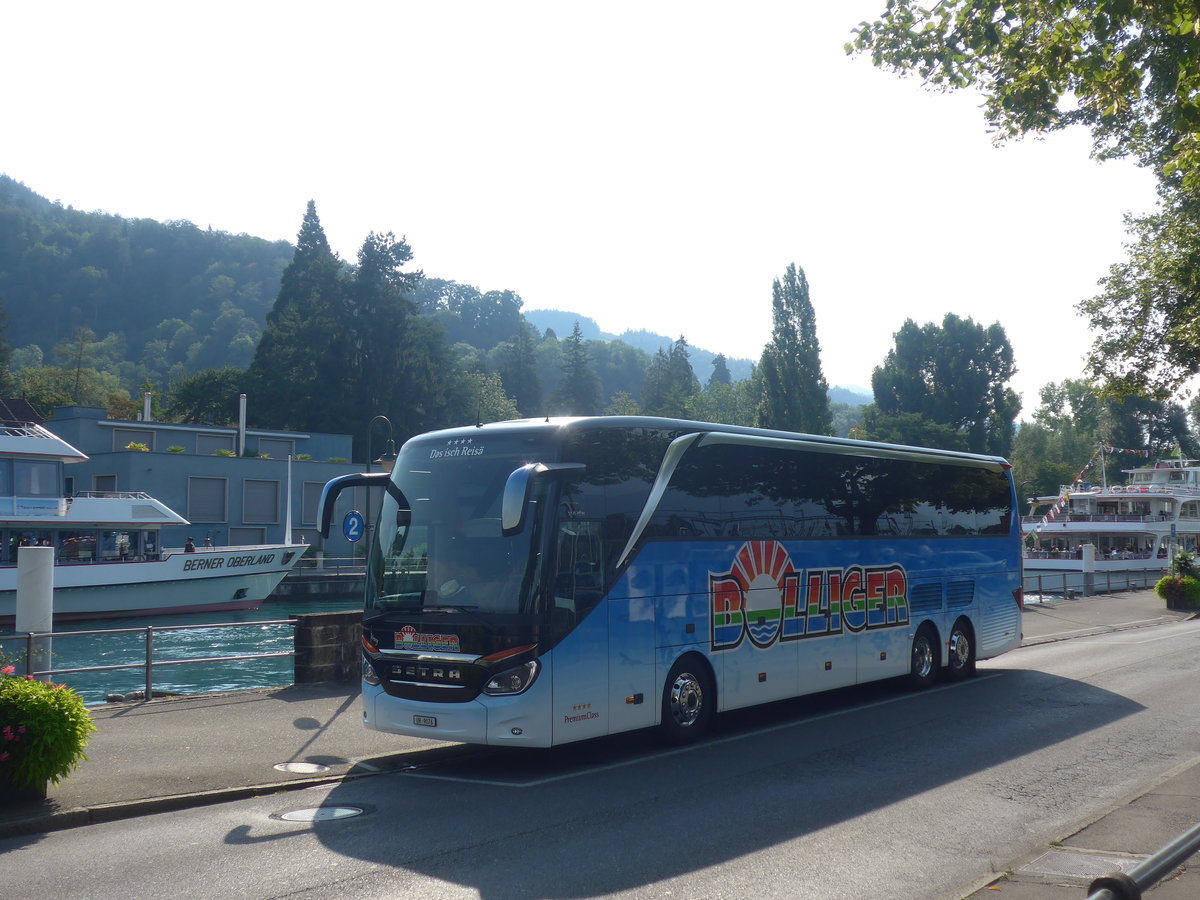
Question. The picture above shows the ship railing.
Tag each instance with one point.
(112, 495)
(26, 429)
(35, 641)
(1096, 517)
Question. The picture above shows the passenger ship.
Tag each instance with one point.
(1131, 526)
(109, 560)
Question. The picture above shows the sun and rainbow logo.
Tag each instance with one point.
(765, 598)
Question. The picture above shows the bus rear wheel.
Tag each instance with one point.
(923, 664)
(961, 661)
(687, 702)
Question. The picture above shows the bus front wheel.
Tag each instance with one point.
(923, 665)
(687, 702)
(961, 660)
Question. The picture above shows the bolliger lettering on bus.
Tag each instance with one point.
(764, 597)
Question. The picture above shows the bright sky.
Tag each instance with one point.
(651, 165)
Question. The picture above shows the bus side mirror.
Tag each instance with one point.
(329, 494)
(515, 500)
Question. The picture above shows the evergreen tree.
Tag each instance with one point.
(7, 382)
(795, 394)
(397, 361)
(720, 373)
(517, 366)
(578, 392)
(670, 382)
(293, 360)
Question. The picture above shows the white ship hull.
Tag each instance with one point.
(209, 580)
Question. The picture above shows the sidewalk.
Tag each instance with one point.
(175, 753)
(1135, 827)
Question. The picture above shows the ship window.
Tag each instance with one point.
(104, 482)
(36, 478)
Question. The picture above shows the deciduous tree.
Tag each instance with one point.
(953, 376)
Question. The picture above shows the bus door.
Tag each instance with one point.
(581, 659)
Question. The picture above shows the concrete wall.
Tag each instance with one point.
(329, 647)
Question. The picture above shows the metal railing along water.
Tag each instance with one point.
(1069, 584)
(148, 661)
(1148, 872)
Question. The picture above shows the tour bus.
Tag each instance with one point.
(541, 581)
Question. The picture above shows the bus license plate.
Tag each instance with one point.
(430, 721)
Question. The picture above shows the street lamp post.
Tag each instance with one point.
(389, 451)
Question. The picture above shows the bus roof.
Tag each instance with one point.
(551, 425)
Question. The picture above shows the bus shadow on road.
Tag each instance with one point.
(765, 776)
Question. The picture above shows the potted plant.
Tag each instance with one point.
(44, 728)
(1181, 586)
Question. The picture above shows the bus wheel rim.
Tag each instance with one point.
(960, 650)
(923, 656)
(687, 699)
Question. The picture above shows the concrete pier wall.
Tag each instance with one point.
(329, 647)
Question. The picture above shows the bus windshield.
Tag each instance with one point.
(448, 553)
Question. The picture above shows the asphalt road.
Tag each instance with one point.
(863, 793)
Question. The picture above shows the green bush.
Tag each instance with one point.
(174, 448)
(1179, 590)
(44, 729)
(140, 448)
(1184, 564)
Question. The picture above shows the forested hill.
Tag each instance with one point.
(170, 296)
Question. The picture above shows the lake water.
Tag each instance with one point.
(239, 635)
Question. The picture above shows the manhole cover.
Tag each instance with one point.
(1080, 864)
(321, 814)
(302, 768)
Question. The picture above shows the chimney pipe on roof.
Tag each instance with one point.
(241, 424)
(146, 407)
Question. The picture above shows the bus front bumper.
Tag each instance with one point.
(494, 721)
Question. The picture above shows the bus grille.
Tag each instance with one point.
(960, 594)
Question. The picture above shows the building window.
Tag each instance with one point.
(206, 499)
(312, 498)
(276, 448)
(208, 444)
(123, 437)
(104, 483)
(260, 501)
(243, 537)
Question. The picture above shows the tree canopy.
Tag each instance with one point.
(946, 386)
(1129, 70)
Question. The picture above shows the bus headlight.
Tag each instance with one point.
(512, 681)
(368, 673)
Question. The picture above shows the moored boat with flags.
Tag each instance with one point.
(1136, 525)
(108, 557)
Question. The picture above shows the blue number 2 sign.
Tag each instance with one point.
(353, 525)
